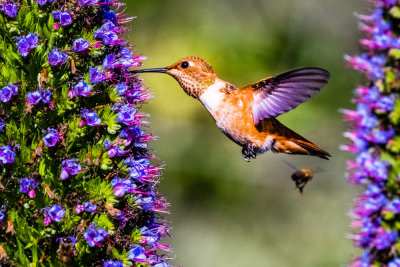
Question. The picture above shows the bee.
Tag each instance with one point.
(302, 176)
(65, 251)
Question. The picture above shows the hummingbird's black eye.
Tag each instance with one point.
(184, 64)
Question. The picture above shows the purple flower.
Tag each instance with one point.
(23, 46)
(6, 155)
(91, 118)
(137, 168)
(82, 88)
(65, 19)
(109, 38)
(110, 15)
(394, 263)
(56, 14)
(57, 58)
(27, 184)
(137, 253)
(32, 39)
(56, 213)
(89, 207)
(385, 103)
(79, 209)
(88, 2)
(46, 96)
(126, 114)
(51, 138)
(10, 9)
(161, 264)
(2, 215)
(7, 92)
(41, 2)
(121, 88)
(394, 206)
(385, 239)
(81, 45)
(70, 167)
(34, 97)
(111, 263)
(122, 186)
(94, 236)
(109, 62)
(2, 125)
(96, 75)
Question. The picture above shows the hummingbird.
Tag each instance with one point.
(247, 115)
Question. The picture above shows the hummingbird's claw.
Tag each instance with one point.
(248, 152)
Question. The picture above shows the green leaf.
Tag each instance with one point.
(395, 12)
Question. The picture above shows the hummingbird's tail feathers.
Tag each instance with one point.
(287, 141)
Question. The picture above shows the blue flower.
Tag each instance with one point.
(109, 62)
(137, 168)
(110, 15)
(385, 239)
(6, 155)
(26, 184)
(41, 2)
(88, 2)
(96, 75)
(394, 205)
(65, 18)
(2, 125)
(122, 186)
(34, 97)
(94, 236)
(126, 114)
(81, 45)
(137, 253)
(10, 9)
(111, 263)
(32, 39)
(56, 213)
(70, 167)
(121, 88)
(7, 92)
(89, 207)
(56, 14)
(91, 118)
(57, 58)
(385, 103)
(109, 38)
(82, 88)
(2, 215)
(394, 263)
(23, 46)
(51, 138)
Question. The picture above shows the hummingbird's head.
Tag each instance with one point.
(193, 74)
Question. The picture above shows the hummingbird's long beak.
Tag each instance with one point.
(159, 70)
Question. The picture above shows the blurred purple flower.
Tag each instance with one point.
(94, 236)
(111, 263)
(96, 75)
(51, 138)
(89, 207)
(65, 18)
(7, 92)
(79, 209)
(56, 213)
(137, 253)
(6, 155)
(81, 45)
(91, 118)
(57, 58)
(70, 167)
(26, 184)
(10, 9)
(82, 88)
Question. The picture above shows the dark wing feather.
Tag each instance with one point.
(277, 95)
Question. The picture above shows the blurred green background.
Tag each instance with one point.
(225, 211)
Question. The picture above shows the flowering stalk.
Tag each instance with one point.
(74, 163)
(375, 138)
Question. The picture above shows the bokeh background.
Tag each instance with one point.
(225, 211)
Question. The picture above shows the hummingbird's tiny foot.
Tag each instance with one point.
(248, 152)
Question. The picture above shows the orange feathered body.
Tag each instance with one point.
(234, 117)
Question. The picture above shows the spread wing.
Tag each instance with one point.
(276, 95)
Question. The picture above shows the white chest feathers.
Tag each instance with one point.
(213, 96)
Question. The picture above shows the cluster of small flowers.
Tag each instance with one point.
(376, 211)
(137, 178)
